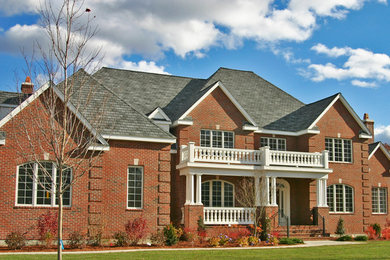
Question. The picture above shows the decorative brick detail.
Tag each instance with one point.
(96, 173)
(366, 191)
(365, 177)
(364, 147)
(365, 184)
(164, 157)
(366, 198)
(163, 199)
(95, 207)
(164, 188)
(163, 210)
(163, 220)
(95, 184)
(95, 196)
(164, 166)
(94, 219)
(365, 169)
(164, 177)
(366, 213)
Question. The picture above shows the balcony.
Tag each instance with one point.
(262, 157)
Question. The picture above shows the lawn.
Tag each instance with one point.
(370, 250)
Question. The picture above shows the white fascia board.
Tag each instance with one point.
(350, 110)
(24, 104)
(384, 150)
(80, 117)
(250, 128)
(159, 111)
(365, 136)
(277, 132)
(227, 93)
(182, 122)
(140, 139)
(159, 122)
(99, 148)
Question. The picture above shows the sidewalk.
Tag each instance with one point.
(306, 244)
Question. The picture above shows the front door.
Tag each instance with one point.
(283, 200)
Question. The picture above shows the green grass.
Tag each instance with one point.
(370, 250)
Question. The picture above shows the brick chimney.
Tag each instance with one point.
(27, 86)
(369, 124)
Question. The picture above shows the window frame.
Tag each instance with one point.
(223, 138)
(35, 184)
(142, 188)
(379, 200)
(222, 193)
(334, 199)
(277, 142)
(332, 154)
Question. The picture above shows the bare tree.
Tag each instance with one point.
(62, 125)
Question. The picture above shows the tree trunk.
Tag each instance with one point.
(59, 233)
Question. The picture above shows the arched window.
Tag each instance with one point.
(340, 198)
(36, 184)
(217, 193)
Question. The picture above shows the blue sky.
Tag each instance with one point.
(309, 48)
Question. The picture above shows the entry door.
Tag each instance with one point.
(283, 200)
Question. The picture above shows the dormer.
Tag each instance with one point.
(160, 118)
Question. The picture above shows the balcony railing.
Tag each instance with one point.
(226, 216)
(263, 156)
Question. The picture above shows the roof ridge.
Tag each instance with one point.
(332, 96)
(128, 104)
(146, 72)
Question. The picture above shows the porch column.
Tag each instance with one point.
(325, 190)
(265, 196)
(199, 189)
(189, 189)
(257, 191)
(321, 193)
(273, 191)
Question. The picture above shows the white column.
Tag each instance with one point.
(325, 196)
(199, 189)
(273, 191)
(189, 189)
(257, 191)
(321, 193)
(265, 198)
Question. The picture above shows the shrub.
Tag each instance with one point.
(344, 238)
(243, 241)
(202, 236)
(340, 230)
(15, 240)
(224, 239)
(170, 234)
(136, 230)
(239, 233)
(77, 240)
(47, 228)
(214, 241)
(121, 239)
(386, 233)
(290, 241)
(96, 239)
(188, 235)
(297, 240)
(377, 229)
(370, 231)
(361, 238)
(201, 225)
(252, 240)
(272, 240)
(158, 238)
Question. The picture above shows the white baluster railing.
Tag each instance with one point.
(226, 216)
(298, 159)
(221, 155)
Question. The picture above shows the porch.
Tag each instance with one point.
(208, 194)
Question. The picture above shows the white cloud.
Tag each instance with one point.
(361, 65)
(143, 66)
(152, 28)
(382, 133)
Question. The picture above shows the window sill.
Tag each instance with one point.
(341, 162)
(40, 207)
(379, 213)
(341, 213)
(134, 209)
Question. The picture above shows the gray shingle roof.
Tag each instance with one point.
(371, 147)
(116, 115)
(11, 98)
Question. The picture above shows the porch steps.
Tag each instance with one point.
(308, 232)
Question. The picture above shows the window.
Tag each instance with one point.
(218, 139)
(340, 150)
(340, 198)
(135, 187)
(278, 144)
(36, 184)
(217, 194)
(379, 200)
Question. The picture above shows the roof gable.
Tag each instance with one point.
(373, 148)
(228, 94)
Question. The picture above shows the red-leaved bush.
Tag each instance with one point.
(386, 233)
(371, 233)
(136, 230)
(242, 232)
(47, 228)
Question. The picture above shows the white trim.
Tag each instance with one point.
(158, 110)
(140, 139)
(383, 148)
(222, 193)
(334, 202)
(287, 198)
(365, 136)
(24, 104)
(99, 148)
(227, 93)
(250, 128)
(182, 122)
(2, 141)
(288, 133)
(350, 110)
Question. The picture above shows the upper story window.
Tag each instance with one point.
(278, 144)
(379, 200)
(36, 184)
(217, 194)
(340, 198)
(135, 187)
(340, 150)
(215, 138)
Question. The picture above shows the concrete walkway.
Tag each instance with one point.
(306, 244)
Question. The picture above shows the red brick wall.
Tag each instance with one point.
(99, 199)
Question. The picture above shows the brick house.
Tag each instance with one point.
(177, 148)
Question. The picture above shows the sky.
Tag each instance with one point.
(311, 49)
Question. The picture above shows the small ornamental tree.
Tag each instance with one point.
(340, 230)
(47, 228)
(136, 230)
